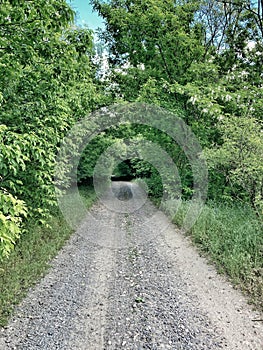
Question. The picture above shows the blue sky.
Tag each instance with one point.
(85, 14)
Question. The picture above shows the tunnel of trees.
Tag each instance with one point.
(200, 59)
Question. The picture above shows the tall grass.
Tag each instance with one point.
(31, 257)
(232, 236)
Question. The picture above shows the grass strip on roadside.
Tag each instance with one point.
(31, 257)
(231, 236)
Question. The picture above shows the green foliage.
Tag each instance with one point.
(131, 141)
(201, 60)
(91, 154)
(123, 169)
(240, 158)
(154, 185)
(157, 34)
(13, 210)
(168, 55)
(46, 85)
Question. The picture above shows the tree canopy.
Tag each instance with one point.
(203, 58)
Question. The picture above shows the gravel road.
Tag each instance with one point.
(128, 279)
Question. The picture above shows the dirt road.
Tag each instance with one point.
(128, 279)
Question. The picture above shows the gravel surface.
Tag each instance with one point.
(128, 279)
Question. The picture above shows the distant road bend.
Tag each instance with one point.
(130, 280)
